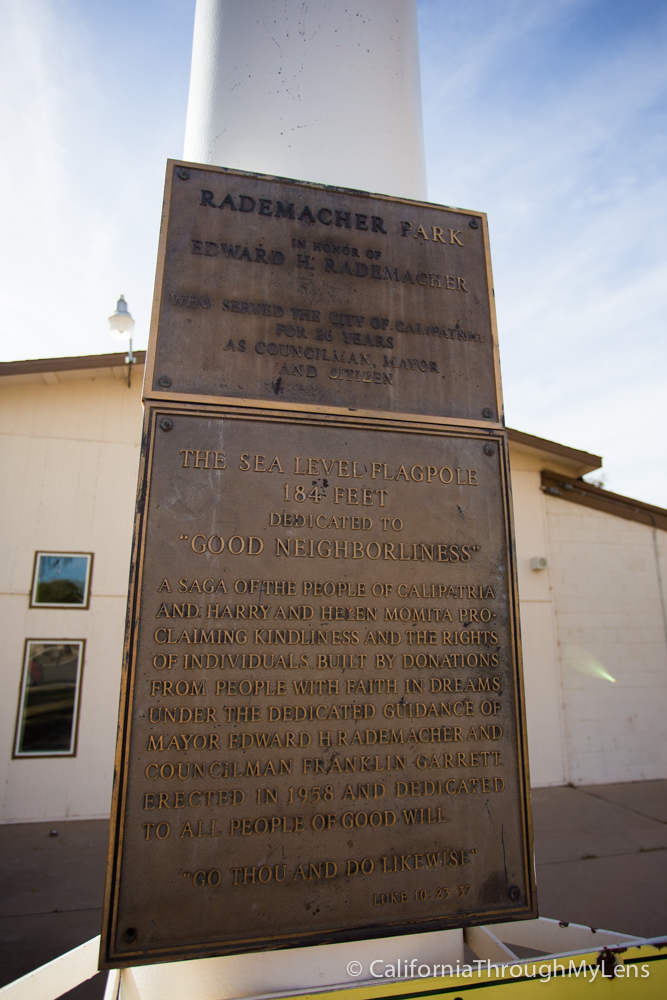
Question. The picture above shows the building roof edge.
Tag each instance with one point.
(588, 495)
(77, 363)
(584, 459)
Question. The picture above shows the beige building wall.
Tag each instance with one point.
(613, 649)
(70, 453)
(69, 445)
(539, 641)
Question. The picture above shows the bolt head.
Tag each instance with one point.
(166, 424)
(164, 381)
(183, 174)
(487, 412)
(514, 892)
(474, 224)
(489, 449)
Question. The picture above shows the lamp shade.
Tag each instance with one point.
(121, 323)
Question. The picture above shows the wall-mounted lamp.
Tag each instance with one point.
(121, 326)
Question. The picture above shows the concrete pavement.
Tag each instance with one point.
(601, 859)
(601, 854)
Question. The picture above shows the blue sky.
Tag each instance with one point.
(547, 114)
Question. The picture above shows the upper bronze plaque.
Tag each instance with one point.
(270, 289)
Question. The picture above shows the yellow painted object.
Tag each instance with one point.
(639, 972)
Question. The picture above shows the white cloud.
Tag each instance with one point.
(546, 116)
(82, 177)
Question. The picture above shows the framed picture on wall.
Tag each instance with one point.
(48, 710)
(61, 580)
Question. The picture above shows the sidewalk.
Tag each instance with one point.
(601, 857)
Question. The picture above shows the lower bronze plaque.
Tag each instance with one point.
(323, 735)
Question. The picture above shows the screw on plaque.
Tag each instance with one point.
(486, 412)
(164, 381)
(166, 424)
(130, 934)
(184, 174)
(514, 892)
(474, 224)
(489, 449)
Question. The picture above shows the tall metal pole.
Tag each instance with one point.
(324, 91)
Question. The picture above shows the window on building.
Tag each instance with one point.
(49, 701)
(61, 580)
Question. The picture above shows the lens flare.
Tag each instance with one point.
(585, 663)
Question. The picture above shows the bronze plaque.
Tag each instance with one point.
(271, 289)
(322, 734)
